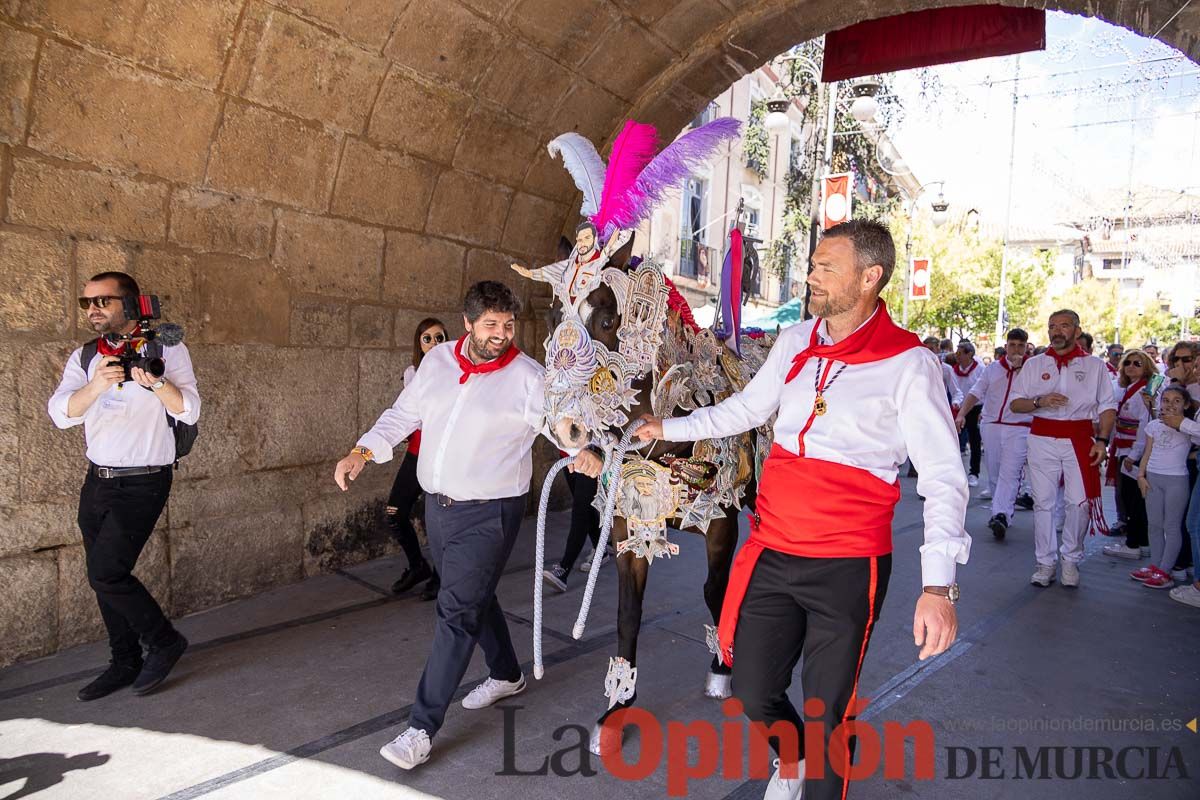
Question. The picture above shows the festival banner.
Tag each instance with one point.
(918, 281)
(836, 194)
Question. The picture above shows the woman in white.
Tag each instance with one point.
(1134, 410)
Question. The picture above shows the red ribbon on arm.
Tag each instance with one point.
(470, 368)
(878, 339)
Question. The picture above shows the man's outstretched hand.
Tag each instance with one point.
(935, 625)
(651, 429)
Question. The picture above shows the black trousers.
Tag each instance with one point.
(470, 544)
(1135, 512)
(974, 438)
(405, 490)
(823, 609)
(585, 520)
(116, 518)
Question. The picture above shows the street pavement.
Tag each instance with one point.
(291, 693)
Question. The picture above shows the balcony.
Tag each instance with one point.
(698, 261)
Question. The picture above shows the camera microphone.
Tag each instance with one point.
(170, 334)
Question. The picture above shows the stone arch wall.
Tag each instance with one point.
(301, 181)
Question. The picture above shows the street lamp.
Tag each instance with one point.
(777, 119)
(940, 206)
(865, 105)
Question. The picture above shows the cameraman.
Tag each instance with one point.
(131, 448)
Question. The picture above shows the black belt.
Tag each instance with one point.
(447, 502)
(123, 472)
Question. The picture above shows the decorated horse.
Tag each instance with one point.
(627, 345)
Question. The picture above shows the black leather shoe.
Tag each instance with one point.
(430, 592)
(411, 577)
(159, 662)
(117, 676)
(999, 525)
(1025, 502)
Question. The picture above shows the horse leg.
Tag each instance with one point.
(631, 588)
(720, 543)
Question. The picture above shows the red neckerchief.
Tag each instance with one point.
(575, 275)
(1010, 369)
(470, 368)
(1064, 360)
(960, 373)
(878, 339)
(1111, 369)
(106, 348)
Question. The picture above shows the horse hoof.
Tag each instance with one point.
(718, 687)
(605, 740)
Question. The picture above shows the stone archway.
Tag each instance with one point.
(301, 180)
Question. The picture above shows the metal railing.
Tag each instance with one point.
(697, 260)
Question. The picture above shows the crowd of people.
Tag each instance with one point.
(1140, 412)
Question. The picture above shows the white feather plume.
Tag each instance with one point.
(585, 165)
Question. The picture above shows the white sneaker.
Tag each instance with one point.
(1070, 574)
(1121, 551)
(408, 749)
(972, 480)
(585, 563)
(785, 788)
(491, 691)
(985, 492)
(1043, 575)
(1189, 595)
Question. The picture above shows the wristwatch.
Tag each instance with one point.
(366, 454)
(158, 384)
(1101, 439)
(949, 592)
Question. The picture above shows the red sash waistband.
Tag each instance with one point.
(813, 508)
(1079, 433)
(1062, 428)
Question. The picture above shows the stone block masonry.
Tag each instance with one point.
(301, 181)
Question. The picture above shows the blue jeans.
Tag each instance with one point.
(1193, 523)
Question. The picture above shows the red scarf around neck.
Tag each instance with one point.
(878, 339)
(1061, 361)
(958, 370)
(105, 347)
(470, 368)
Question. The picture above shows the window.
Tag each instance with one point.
(692, 226)
(706, 116)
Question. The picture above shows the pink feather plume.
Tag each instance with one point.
(633, 149)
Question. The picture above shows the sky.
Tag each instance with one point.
(1089, 124)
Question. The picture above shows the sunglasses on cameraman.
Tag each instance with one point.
(100, 301)
(429, 338)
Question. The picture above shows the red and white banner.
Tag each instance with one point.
(836, 193)
(933, 36)
(918, 278)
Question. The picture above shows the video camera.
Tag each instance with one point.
(145, 308)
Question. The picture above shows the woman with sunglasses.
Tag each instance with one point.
(429, 334)
(1134, 410)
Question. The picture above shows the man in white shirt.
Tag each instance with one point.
(965, 371)
(131, 450)
(478, 404)
(1067, 391)
(855, 395)
(1004, 433)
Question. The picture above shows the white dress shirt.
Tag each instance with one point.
(1084, 382)
(127, 425)
(952, 391)
(476, 437)
(963, 383)
(994, 391)
(879, 414)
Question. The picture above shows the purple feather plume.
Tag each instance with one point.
(677, 162)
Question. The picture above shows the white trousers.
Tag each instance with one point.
(1004, 448)
(1052, 459)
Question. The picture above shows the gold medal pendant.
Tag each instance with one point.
(819, 407)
